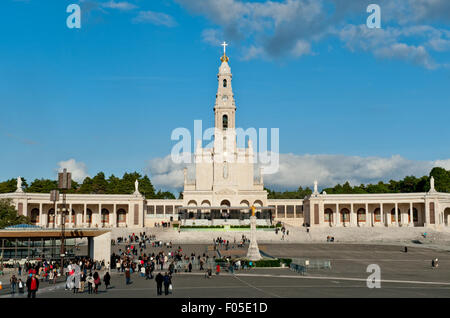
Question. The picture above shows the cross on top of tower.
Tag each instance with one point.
(224, 58)
(224, 44)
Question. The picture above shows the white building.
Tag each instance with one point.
(224, 185)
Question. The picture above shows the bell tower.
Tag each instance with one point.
(225, 110)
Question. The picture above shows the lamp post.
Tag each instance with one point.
(64, 184)
(54, 197)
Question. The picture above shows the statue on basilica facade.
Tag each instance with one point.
(19, 185)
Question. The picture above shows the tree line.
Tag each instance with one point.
(125, 185)
(98, 184)
(408, 184)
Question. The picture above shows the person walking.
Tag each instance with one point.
(127, 276)
(107, 280)
(90, 281)
(97, 282)
(82, 281)
(217, 269)
(32, 286)
(159, 279)
(147, 272)
(13, 282)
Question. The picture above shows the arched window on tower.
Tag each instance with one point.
(224, 83)
(225, 122)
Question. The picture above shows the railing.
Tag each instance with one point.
(301, 264)
(182, 265)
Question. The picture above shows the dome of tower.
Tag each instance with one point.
(224, 68)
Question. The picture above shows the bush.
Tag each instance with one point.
(248, 226)
(201, 226)
(262, 263)
(268, 263)
(286, 261)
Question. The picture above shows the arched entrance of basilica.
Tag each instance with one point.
(447, 216)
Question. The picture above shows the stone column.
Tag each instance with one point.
(129, 221)
(427, 213)
(40, 223)
(55, 219)
(70, 216)
(352, 215)
(114, 216)
(367, 215)
(396, 214)
(338, 219)
(85, 224)
(388, 217)
(382, 215)
(253, 250)
(99, 216)
(411, 214)
(57, 216)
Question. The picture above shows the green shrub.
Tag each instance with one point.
(201, 227)
(262, 263)
(286, 261)
(268, 263)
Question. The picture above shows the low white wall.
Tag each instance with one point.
(102, 247)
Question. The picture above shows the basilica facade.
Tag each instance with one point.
(225, 188)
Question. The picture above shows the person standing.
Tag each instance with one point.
(20, 285)
(107, 280)
(159, 279)
(167, 283)
(32, 286)
(127, 275)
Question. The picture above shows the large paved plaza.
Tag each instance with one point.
(402, 275)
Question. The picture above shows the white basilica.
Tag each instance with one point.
(225, 188)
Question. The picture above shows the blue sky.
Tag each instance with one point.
(351, 103)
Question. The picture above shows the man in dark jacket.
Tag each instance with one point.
(32, 286)
(159, 281)
(167, 282)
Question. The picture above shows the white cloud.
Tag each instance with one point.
(329, 170)
(301, 48)
(302, 170)
(385, 43)
(167, 174)
(156, 18)
(212, 36)
(269, 29)
(78, 169)
(119, 5)
(443, 164)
